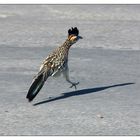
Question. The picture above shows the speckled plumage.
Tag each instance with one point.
(57, 60)
(55, 64)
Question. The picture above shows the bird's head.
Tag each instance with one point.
(73, 35)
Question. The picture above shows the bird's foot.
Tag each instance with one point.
(74, 85)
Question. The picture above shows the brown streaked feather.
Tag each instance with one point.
(55, 63)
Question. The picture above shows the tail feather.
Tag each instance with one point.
(35, 87)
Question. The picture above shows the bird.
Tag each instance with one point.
(54, 65)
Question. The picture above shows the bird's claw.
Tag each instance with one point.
(74, 85)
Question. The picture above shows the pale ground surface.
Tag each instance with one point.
(106, 63)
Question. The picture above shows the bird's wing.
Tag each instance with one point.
(54, 64)
(58, 68)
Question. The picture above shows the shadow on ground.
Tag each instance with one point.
(81, 92)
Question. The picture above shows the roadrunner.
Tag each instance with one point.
(55, 64)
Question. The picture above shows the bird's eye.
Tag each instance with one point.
(74, 38)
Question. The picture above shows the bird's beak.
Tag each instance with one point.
(80, 37)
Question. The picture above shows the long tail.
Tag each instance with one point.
(36, 86)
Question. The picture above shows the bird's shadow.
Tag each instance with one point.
(80, 92)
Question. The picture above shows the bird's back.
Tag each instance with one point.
(56, 61)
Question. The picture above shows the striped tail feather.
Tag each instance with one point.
(35, 87)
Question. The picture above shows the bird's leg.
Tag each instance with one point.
(66, 75)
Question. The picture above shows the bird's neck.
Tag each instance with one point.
(67, 44)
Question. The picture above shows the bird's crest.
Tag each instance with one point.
(73, 31)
